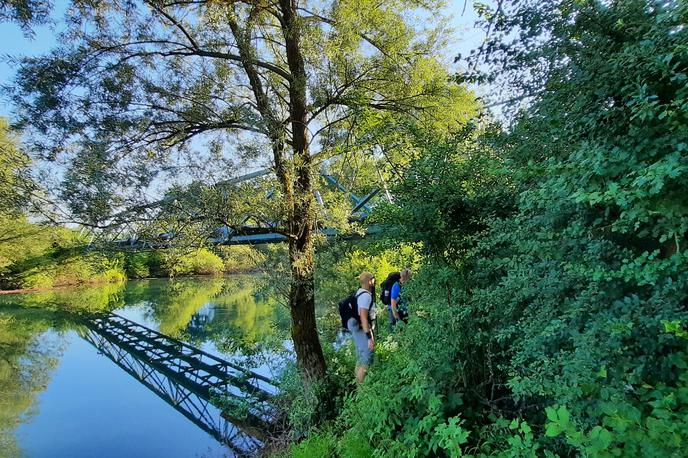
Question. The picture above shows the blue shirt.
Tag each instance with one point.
(396, 292)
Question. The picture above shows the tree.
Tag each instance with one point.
(135, 86)
(26, 13)
(15, 182)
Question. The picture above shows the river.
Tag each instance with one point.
(62, 396)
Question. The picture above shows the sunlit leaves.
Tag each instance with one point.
(15, 183)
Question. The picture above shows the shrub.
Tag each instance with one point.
(241, 258)
(156, 262)
(204, 262)
(550, 311)
(69, 267)
(200, 261)
(137, 265)
(321, 445)
(38, 279)
(308, 409)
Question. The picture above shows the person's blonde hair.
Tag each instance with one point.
(405, 274)
(365, 278)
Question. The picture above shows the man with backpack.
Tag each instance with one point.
(391, 296)
(358, 312)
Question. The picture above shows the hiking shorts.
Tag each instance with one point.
(363, 355)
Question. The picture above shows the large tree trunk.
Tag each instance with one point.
(296, 183)
(309, 354)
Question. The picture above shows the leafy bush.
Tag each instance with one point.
(64, 267)
(137, 265)
(320, 445)
(551, 305)
(204, 262)
(35, 256)
(307, 408)
(38, 280)
(200, 261)
(240, 258)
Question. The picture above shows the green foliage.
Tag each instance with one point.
(450, 192)
(549, 309)
(15, 183)
(316, 446)
(309, 407)
(137, 265)
(408, 406)
(302, 404)
(241, 258)
(34, 256)
(156, 262)
(354, 445)
(197, 262)
(26, 13)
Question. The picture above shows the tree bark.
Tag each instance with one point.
(296, 181)
(309, 354)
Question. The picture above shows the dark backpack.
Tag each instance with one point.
(386, 293)
(348, 308)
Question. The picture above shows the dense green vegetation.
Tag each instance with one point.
(37, 257)
(550, 309)
(550, 301)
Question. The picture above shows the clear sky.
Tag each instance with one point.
(15, 44)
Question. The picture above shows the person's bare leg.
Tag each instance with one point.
(361, 373)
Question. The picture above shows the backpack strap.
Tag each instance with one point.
(359, 295)
(362, 292)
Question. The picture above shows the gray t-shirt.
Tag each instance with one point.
(365, 301)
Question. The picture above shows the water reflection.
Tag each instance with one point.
(25, 368)
(184, 377)
(85, 299)
(236, 314)
(232, 317)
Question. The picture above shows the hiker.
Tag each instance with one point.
(362, 333)
(397, 311)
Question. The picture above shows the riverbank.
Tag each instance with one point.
(67, 287)
(40, 258)
(8, 292)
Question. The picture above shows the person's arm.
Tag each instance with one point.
(396, 295)
(365, 325)
(395, 312)
(365, 322)
(364, 313)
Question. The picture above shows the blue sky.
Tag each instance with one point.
(15, 44)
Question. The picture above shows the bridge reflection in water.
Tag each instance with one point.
(187, 378)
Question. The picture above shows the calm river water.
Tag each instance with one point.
(60, 396)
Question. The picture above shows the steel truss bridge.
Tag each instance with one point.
(188, 379)
(258, 234)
